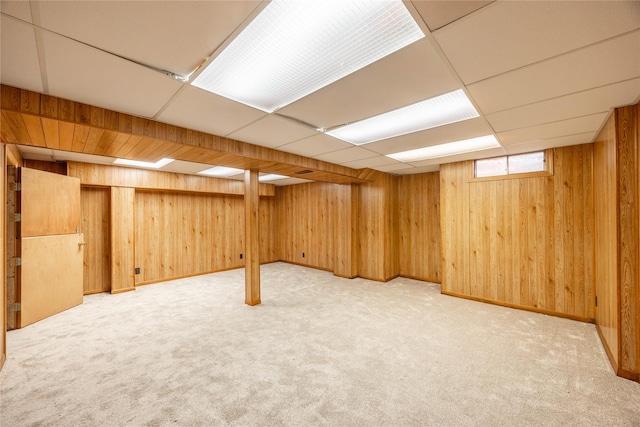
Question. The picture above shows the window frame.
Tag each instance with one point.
(548, 161)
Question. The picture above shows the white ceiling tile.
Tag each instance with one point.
(348, 155)
(405, 77)
(454, 132)
(507, 35)
(174, 36)
(272, 131)
(19, 64)
(415, 170)
(373, 162)
(527, 147)
(483, 154)
(573, 126)
(200, 110)
(579, 104)
(315, 145)
(181, 166)
(608, 62)
(81, 73)
(288, 181)
(20, 9)
(437, 14)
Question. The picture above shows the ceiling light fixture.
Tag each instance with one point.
(271, 177)
(157, 165)
(448, 149)
(221, 171)
(292, 49)
(442, 110)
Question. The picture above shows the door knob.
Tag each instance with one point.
(82, 243)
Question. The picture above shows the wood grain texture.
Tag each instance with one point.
(30, 118)
(629, 235)
(97, 234)
(51, 276)
(345, 233)
(3, 240)
(606, 232)
(122, 204)
(252, 238)
(419, 233)
(526, 242)
(12, 246)
(183, 234)
(50, 203)
(305, 221)
(114, 176)
(53, 167)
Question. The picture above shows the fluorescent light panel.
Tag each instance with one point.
(293, 48)
(448, 149)
(442, 110)
(271, 177)
(221, 171)
(157, 165)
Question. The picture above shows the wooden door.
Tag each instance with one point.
(51, 248)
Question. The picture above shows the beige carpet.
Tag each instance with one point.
(320, 350)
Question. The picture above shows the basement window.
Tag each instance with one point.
(514, 166)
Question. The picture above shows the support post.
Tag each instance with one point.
(252, 238)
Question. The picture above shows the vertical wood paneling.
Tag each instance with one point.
(305, 220)
(184, 234)
(346, 230)
(3, 239)
(122, 239)
(529, 239)
(268, 230)
(419, 232)
(97, 252)
(252, 233)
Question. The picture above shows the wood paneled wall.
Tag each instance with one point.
(617, 260)
(122, 204)
(524, 242)
(3, 239)
(95, 203)
(305, 222)
(345, 234)
(378, 229)
(54, 167)
(419, 234)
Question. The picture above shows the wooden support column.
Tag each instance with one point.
(346, 231)
(122, 235)
(252, 240)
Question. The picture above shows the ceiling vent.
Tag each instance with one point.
(303, 172)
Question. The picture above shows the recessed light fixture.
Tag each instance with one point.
(448, 149)
(439, 111)
(221, 171)
(157, 165)
(271, 177)
(293, 48)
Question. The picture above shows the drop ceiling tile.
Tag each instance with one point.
(372, 162)
(19, 9)
(315, 145)
(174, 36)
(415, 170)
(436, 14)
(405, 77)
(543, 144)
(574, 126)
(449, 133)
(180, 166)
(507, 35)
(19, 66)
(197, 109)
(483, 154)
(598, 100)
(601, 64)
(348, 155)
(289, 181)
(81, 73)
(272, 131)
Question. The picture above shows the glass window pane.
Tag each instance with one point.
(491, 167)
(530, 162)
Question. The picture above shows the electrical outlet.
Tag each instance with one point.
(137, 270)
(302, 254)
(240, 256)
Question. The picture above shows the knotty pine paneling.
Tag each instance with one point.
(122, 205)
(95, 203)
(524, 242)
(419, 233)
(378, 229)
(305, 223)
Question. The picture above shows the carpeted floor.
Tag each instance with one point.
(320, 350)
